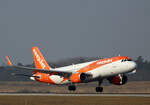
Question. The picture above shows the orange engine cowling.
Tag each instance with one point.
(42, 77)
(118, 80)
(78, 77)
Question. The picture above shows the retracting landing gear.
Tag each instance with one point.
(99, 88)
(72, 87)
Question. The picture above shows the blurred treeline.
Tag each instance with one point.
(143, 70)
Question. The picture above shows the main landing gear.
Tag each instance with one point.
(99, 88)
(72, 87)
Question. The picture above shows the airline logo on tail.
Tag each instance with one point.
(39, 60)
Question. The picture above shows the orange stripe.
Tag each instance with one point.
(100, 63)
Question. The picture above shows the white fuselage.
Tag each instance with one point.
(104, 71)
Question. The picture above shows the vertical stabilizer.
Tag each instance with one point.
(39, 60)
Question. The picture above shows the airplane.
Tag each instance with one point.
(114, 69)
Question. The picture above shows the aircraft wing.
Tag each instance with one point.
(63, 73)
(55, 71)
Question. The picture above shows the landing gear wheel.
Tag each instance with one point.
(99, 89)
(72, 87)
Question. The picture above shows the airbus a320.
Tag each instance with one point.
(113, 69)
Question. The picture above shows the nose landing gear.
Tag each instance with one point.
(99, 88)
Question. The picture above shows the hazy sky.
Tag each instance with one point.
(70, 28)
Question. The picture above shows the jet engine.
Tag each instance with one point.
(79, 77)
(41, 77)
(118, 80)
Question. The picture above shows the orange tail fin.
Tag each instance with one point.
(8, 61)
(39, 60)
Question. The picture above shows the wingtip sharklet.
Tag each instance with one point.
(8, 61)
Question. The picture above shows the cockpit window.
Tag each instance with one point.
(123, 60)
(129, 59)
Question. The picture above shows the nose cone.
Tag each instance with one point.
(133, 65)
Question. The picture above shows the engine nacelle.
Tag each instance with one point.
(78, 77)
(41, 77)
(118, 80)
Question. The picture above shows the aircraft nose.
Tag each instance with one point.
(133, 65)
